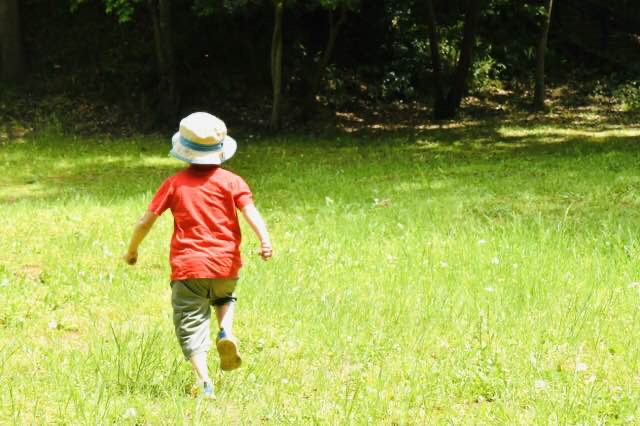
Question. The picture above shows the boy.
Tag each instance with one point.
(205, 255)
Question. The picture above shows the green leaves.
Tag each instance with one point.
(336, 4)
(122, 9)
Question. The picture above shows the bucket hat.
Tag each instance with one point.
(202, 139)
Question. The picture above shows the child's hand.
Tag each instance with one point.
(131, 257)
(266, 251)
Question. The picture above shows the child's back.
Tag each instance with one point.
(206, 238)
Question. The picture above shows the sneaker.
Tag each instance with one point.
(203, 389)
(227, 346)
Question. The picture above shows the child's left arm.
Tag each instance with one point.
(141, 230)
(256, 222)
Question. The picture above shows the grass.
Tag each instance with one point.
(481, 274)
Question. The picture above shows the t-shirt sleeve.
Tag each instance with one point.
(162, 199)
(241, 193)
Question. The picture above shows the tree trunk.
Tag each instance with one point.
(445, 107)
(160, 11)
(539, 93)
(334, 30)
(459, 84)
(12, 64)
(436, 63)
(276, 65)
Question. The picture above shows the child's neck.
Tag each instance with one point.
(202, 167)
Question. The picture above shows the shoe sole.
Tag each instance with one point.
(229, 357)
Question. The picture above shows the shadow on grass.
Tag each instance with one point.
(414, 118)
(52, 168)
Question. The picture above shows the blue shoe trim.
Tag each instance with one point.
(207, 389)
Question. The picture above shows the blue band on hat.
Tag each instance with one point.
(200, 146)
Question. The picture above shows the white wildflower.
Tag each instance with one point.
(581, 366)
(541, 385)
(381, 202)
(130, 413)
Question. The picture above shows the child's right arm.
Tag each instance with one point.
(140, 231)
(253, 217)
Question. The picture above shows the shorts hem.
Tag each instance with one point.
(191, 354)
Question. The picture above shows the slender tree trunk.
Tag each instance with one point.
(276, 65)
(436, 62)
(334, 31)
(604, 30)
(167, 92)
(539, 93)
(12, 64)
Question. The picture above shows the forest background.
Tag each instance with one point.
(128, 67)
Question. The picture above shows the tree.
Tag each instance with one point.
(539, 93)
(161, 18)
(312, 80)
(447, 104)
(160, 11)
(337, 16)
(209, 7)
(276, 65)
(12, 63)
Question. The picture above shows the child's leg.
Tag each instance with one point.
(227, 345)
(199, 364)
(224, 314)
(191, 317)
(223, 301)
(204, 384)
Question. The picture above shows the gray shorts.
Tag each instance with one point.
(191, 301)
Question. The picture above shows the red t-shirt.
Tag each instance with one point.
(206, 232)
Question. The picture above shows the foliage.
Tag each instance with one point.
(123, 9)
(618, 90)
(335, 4)
(381, 54)
(486, 74)
(503, 40)
(407, 50)
(629, 95)
(210, 7)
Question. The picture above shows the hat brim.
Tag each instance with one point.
(191, 156)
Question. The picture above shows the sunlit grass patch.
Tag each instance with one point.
(619, 131)
(475, 275)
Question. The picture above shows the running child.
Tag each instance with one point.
(205, 246)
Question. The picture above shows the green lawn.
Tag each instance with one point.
(479, 274)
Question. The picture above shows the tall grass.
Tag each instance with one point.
(477, 275)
